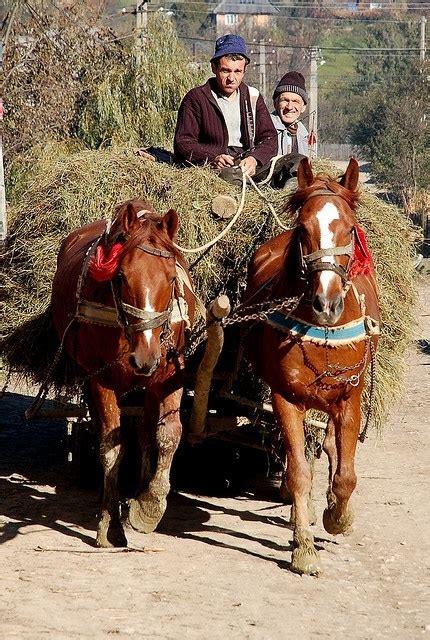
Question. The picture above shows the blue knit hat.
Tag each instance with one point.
(229, 44)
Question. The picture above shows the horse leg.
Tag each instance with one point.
(329, 447)
(110, 532)
(338, 517)
(286, 496)
(148, 508)
(305, 558)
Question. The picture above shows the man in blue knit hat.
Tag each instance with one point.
(225, 122)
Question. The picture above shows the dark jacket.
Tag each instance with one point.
(201, 133)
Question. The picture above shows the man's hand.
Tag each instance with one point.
(222, 161)
(142, 153)
(249, 166)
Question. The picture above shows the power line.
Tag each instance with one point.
(309, 4)
(322, 48)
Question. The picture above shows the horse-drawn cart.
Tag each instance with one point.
(122, 304)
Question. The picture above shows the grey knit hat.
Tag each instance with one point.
(294, 82)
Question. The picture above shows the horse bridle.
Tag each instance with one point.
(148, 319)
(313, 263)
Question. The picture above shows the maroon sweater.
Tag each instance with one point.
(201, 132)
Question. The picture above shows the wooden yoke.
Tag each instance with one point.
(216, 311)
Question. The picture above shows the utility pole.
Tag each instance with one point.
(262, 64)
(3, 217)
(423, 40)
(141, 28)
(313, 100)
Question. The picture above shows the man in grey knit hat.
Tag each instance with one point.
(290, 100)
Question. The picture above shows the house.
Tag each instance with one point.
(252, 14)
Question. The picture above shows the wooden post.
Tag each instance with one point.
(3, 217)
(263, 85)
(313, 101)
(141, 28)
(423, 40)
(217, 310)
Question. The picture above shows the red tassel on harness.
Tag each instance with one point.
(362, 263)
(104, 267)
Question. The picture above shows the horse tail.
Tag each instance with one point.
(30, 349)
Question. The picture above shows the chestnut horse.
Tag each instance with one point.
(121, 301)
(317, 358)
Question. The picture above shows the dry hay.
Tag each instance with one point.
(63, 190)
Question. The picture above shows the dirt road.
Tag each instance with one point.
(218, 568)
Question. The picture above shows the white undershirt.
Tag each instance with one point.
(230, 107)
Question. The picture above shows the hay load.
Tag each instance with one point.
(64, 189)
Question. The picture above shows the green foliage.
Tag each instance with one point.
(382, 107)
(395, 137)
(381, 69)
(190, 20)
(138, 103)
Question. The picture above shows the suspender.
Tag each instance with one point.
(251, 115)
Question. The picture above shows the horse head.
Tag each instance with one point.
(325, 233)
(143, 285)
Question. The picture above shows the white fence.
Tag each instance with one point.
(338, 151)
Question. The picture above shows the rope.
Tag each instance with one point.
(267, 201)
(245, 177)
(38, 402)
(271, 170)
(209, 244)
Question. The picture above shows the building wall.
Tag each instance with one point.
(236, 22)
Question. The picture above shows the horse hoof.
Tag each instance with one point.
(308, 564)
(146, 513)
(335, 526)
(305, 558)
(111, 537)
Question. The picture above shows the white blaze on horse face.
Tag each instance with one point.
(325, 217)
(148, 307)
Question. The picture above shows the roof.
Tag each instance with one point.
(254, 7)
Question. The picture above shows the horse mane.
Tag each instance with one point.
(150, 230)
(110, 251)
(322, 181)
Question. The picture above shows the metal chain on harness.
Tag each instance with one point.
(260, 310)
(336, 371)
(363, 434)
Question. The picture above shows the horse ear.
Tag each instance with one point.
(171, 223)
(305, 177)
(129, 219)
(349, 180)
(124, 222)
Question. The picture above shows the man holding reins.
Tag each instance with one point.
(225, 122)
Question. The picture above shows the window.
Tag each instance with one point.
(230, 18)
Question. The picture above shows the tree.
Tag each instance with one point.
(395, 136)
(52, 59)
